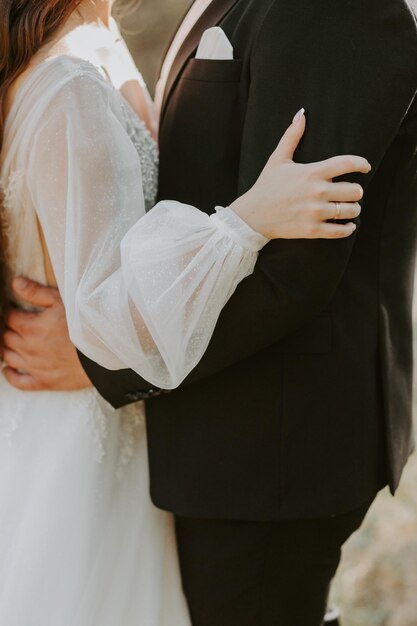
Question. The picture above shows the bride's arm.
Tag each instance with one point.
(148, 300)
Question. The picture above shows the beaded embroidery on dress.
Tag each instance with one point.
(148, 153)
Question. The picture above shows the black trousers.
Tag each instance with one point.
(261, 573)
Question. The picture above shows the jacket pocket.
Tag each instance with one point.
(213, 71)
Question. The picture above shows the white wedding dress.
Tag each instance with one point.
(81, 543)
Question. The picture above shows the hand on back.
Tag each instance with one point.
(38, 352)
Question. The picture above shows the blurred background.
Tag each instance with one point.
(148, 26)
(377, 582)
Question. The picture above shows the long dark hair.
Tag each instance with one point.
(25, 26)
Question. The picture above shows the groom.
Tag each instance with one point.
(273, 449)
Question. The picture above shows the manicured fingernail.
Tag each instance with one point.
(353, 227)
(299, 116)
(20, 283)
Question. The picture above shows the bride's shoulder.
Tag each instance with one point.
(45, 78)
(62, 76)
(79, 78)
(66, 71)
(60, 90)
(67, 83)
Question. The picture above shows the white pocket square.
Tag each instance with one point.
(215, 46)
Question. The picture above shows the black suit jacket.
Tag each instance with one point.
(301, 405)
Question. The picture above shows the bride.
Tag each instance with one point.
(81, 543)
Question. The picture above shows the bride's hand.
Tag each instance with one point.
(294, 201)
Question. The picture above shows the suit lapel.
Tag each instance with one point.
(211, 17)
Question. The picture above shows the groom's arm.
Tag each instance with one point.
(353, 66)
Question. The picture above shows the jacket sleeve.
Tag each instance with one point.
(353, 65)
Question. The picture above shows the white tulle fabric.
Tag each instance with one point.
(81, 542)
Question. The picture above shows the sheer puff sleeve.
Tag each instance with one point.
(141, 291)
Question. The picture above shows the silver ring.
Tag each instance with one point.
(338, 211)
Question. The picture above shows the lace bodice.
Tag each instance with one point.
(147, 150)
